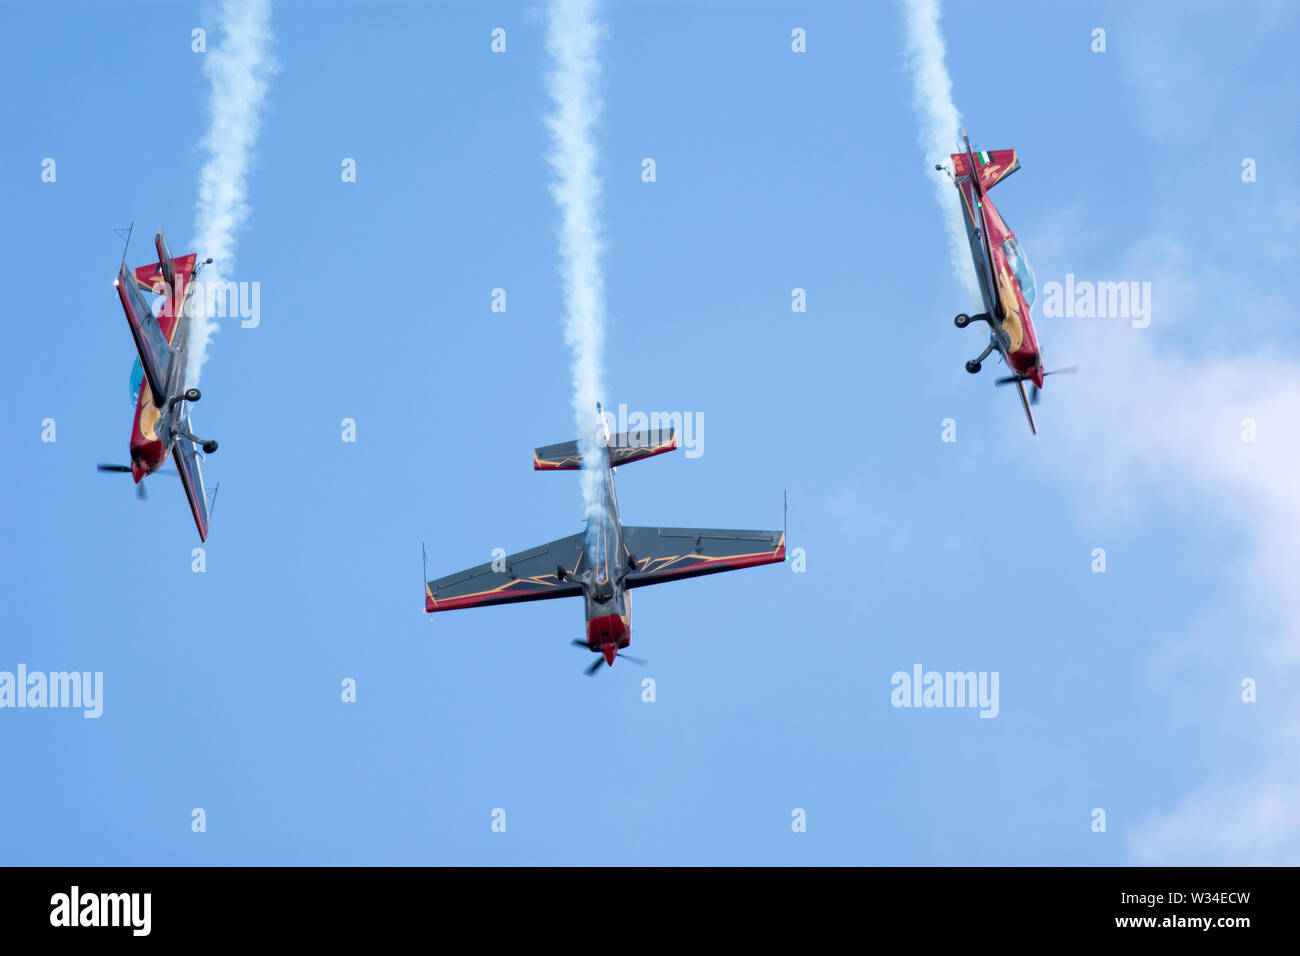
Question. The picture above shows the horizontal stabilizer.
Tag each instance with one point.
(623, 449)
(149, 277)
(994, 165)
(169, 278)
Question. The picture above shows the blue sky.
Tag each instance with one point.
(775, 170)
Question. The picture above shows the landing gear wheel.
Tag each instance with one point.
(209, 447)
(192, 395)
(560, 573)
(972, 367)
(961, 321)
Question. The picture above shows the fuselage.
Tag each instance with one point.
(1023, 355)
(148, 450)
(608, 605)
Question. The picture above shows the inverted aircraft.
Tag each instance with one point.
(1006, 279)
(607, 559)
(158, 390)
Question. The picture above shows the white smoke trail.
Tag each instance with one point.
(239, 69)
(939, 121)
(571, 40)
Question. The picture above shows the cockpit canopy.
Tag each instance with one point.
(1020, 266)
(137, 376)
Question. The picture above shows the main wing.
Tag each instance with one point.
(149, 339)
(668, 554)
(971, 189)
(527, 576)
(187, 466)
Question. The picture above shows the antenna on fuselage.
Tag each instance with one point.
(127, 245)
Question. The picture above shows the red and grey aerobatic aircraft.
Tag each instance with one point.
(162, 420)
(607, 559)
(1006, 280)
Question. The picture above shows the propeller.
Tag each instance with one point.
(1033, 389)
(140, 492)
(595, 665)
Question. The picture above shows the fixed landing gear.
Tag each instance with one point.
(560, 573)
(189, 395)
(973, 365)
(961, 320)
(208, 446)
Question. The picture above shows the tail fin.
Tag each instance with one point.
(993, 165)
(165, 259)
(623, 449)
